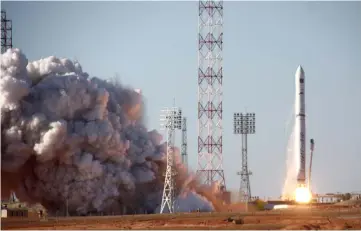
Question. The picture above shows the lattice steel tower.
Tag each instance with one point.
(171, 119)
(184, 142)
(244, 124)
(210, 77)
(6, 32)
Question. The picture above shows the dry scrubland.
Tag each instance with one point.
(297, 218)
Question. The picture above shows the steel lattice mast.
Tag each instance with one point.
(210, 77)
(244, 124)
(170, 121)
(184, 142)
(6, 32)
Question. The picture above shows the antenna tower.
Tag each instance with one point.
(184, 142)
(6, 33)
(210, 77)
(244, 124)
(170, 121)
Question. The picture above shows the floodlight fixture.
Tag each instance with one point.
(244, 123)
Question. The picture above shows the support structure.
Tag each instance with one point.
(184, 142)
(210, 80)
(245, 124)
(170, 121)
(312, 147)
(6, 32)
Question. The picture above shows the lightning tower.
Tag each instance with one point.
(6, 32)
(244, 124)
(184, 142)
(210, 77)
(170, 121)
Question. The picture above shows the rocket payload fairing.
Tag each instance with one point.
(300, 130)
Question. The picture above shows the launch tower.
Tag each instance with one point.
(210, 77)
(6, 32)
(312, 147)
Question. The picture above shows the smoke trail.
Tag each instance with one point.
(68, 139)
(292, 160)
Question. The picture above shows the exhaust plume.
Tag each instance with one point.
(75, 141)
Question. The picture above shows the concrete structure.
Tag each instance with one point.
(14, 212)
(355, 196)
(4, 213)
(327, 198)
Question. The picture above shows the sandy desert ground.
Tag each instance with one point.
(296, 219)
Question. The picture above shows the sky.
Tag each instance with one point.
(153, 46)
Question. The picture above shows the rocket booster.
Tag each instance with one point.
(300, 129)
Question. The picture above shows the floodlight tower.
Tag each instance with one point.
(184, 142)
(244, 124)
(6, 32)
(210, 80)
(170, 121)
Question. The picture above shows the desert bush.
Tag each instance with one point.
(260, 204)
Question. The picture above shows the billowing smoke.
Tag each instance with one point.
(72, 141)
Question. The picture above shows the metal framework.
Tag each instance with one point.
(184, 142)
(210, 77)
(312, 148)
(244, 124)
(6, 32)
(171, 119)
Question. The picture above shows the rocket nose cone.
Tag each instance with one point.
(300, 72)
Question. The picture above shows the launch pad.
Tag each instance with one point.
(314, 219)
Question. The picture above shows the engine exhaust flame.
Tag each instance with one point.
(302, 195)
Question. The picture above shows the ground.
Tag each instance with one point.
(305, 218)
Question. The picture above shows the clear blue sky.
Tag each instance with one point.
(153, 46)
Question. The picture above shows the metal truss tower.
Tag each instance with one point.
(6, 33)
(210, 77)
(171, 119)
(244, 124)
(184, 142)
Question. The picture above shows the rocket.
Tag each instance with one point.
(300, 122)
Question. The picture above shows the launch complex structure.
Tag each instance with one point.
(210, 93)
(210, 106)
(244, 124)
(6, 32)
(210, 112)
(171, 120)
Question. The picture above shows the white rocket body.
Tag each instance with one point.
(300, 129)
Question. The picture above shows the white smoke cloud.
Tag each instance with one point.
(80, 140)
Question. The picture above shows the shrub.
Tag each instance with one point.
(260, 204)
